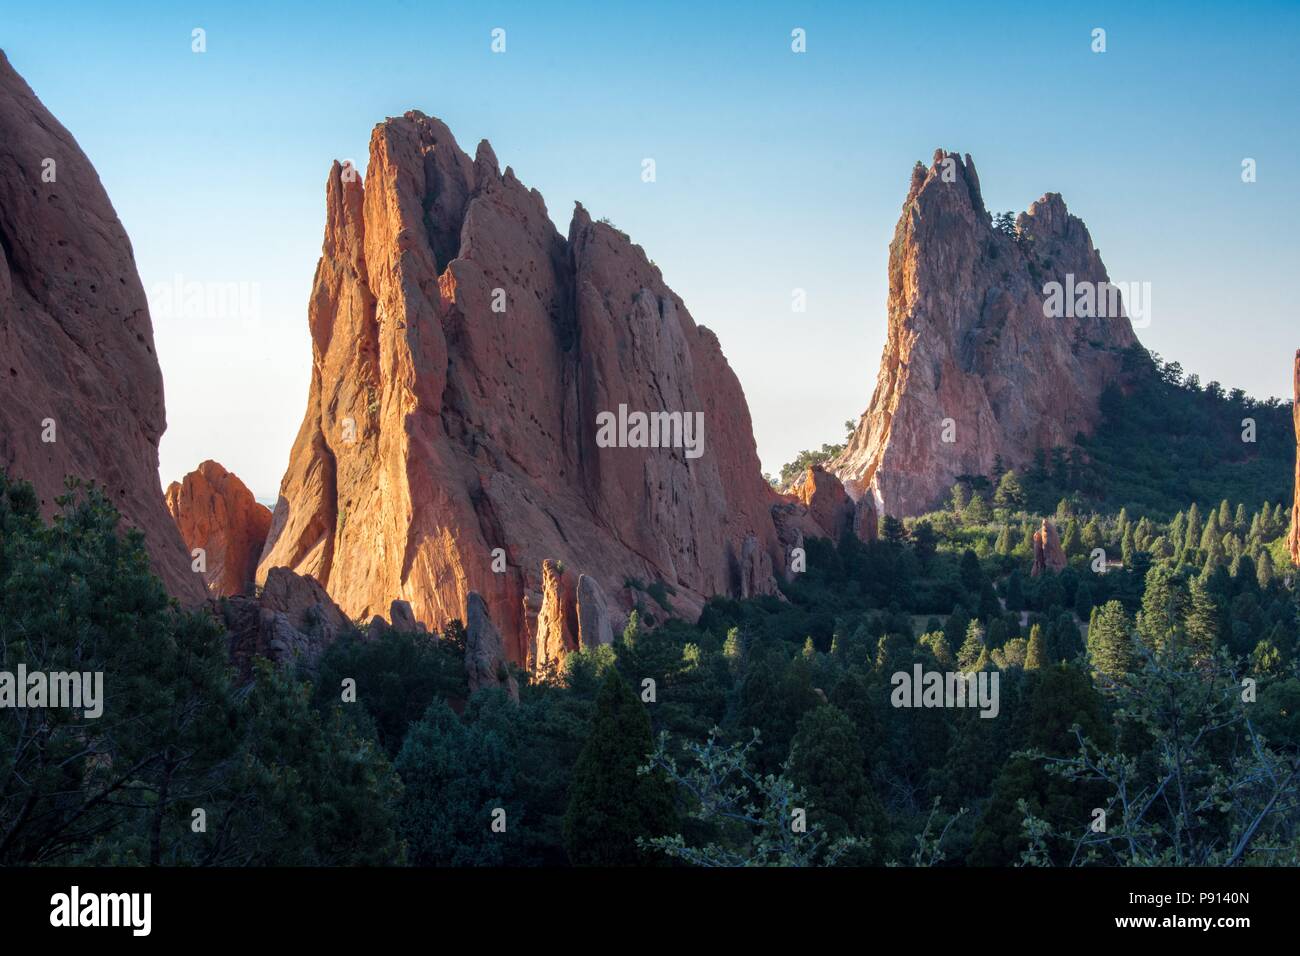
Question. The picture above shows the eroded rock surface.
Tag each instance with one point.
(215, 512)
(462, 352)
(1048, 553)
(81, 393)
(973, 368)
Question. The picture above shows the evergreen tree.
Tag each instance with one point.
(939, 647)
(1164, 605)
(972, 647)
(1110, 641)
(610, 803)
(959, 498)
(990, 607)
(455, 777)
(1071, 541)
(1264, 569)
(1061, 697)
(1036, 653)
(827, 762)
(924, 543)
(976, 512)
(1092, 536)
(1009, 494)
(1213, 533)
(1203, 627)
(1193, 537)
(954, 629)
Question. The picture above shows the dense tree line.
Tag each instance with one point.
(766, 733)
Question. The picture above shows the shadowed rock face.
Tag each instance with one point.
(291, 622)
(77, 360)
(462, 351)
(1294, 539)
(215, 511)
(970, 354)
(831, 506)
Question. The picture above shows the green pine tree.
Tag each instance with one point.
(610, 803)
(1110, 641)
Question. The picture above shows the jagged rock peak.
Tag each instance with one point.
(463, 351)
(217, 515)
(978, 362)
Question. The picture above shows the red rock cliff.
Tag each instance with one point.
(216, 512)
(81, 392)
(972, 367)
(462, 352)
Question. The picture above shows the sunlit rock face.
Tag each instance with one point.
(218, 516)
(1049, 556)
(984, 356)
(463, 353)
(81, 393)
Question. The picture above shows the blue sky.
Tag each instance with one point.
(775, 170)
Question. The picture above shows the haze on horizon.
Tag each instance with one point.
(775, 171)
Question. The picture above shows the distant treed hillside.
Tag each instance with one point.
(1166, 440)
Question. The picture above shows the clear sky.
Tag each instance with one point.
(775, 170)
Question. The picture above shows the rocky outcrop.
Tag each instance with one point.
(472, 411)
(485, 655)
(1048, 553)
(81, 393)
(1294, 539)
(291, 622)
(984, 357)
(595, 626)
(217, 515)
(833, 509)
(557, 621)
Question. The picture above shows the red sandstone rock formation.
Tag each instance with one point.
(1294, 540)
(595, 625)
(291, 622)
(557, 620)
(462, 352)
(972, 367)
(833, 508)
(217, 513)
(1048, 554)
(81, 393)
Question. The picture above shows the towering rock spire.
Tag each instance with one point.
(974, 366)
(463, 354)
(81, 393)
